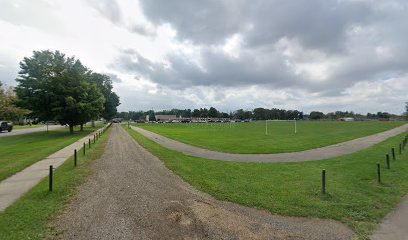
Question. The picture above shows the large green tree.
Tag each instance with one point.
(56, 87)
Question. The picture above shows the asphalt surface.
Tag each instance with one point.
(29, 130)
(132, 195)
(308, 155)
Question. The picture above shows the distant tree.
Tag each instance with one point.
(111, 103)
(8, 109)
(212, 112)
(55, 87)
(316, 115)
(406, 110)
(196, 113)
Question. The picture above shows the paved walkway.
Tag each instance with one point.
(395, 225)
(308, 155)
(132, 195)
(29, 130)
(17, 185)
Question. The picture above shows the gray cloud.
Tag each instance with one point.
(108, 8)
(114, 77)
(357, 35)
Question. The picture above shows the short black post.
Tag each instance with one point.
(400, 148)
(84, 147)
(75, 157)
(387, 161)
(89, 140)
(378, 173)
(324, 181)
(50, 175)
(393, 153)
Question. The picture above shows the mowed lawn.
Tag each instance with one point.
(294, 189)
(19, 152)
(251, 138)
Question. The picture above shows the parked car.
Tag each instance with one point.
(4, 125)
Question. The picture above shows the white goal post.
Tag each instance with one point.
(266, 124)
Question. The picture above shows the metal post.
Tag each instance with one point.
(295, 127)
(393, 153)
(84, 147)
(89, 143)
(387, 161)
(378, 173)
(324, 181)
(75, 157)
(50, 177)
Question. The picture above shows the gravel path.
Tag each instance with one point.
(308, 155)
(29, 130)
(132, 195)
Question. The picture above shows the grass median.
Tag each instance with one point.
(19, 152)
(294, 189)
(251, 137)
(28, 218)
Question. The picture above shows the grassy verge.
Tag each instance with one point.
(28, 217)
(19, 152)
(251, 138)
(294, 189)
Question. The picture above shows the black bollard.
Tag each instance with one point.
(387, 161)
(89, 140)
(75, 157)
(50, 176)
(84, 147)
(393, 153)
(400, 148)
(378, 173)
(324, 181)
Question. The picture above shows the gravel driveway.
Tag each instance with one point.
(132, 195)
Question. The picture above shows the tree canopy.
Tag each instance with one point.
(56, 87)
(8, 109)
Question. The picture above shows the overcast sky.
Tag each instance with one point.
(308, 55)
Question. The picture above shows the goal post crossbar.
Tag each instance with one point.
(289, 120)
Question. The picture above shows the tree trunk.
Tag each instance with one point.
(71, 128)
(82, 127)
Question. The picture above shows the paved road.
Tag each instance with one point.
(308, 155)
(132, 195)
(12, 188)
(29, 130)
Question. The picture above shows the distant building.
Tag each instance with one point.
(347, 119)
(166, 118)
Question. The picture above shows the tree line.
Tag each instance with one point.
(257, 114)
(316, 115)
(54, 87)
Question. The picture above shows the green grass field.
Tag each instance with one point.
(30, 216)
(19, 152)
(251, 138)
(294, 189)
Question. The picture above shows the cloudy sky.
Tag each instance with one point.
(295, 54)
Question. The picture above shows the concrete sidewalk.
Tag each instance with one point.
(12, 188)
